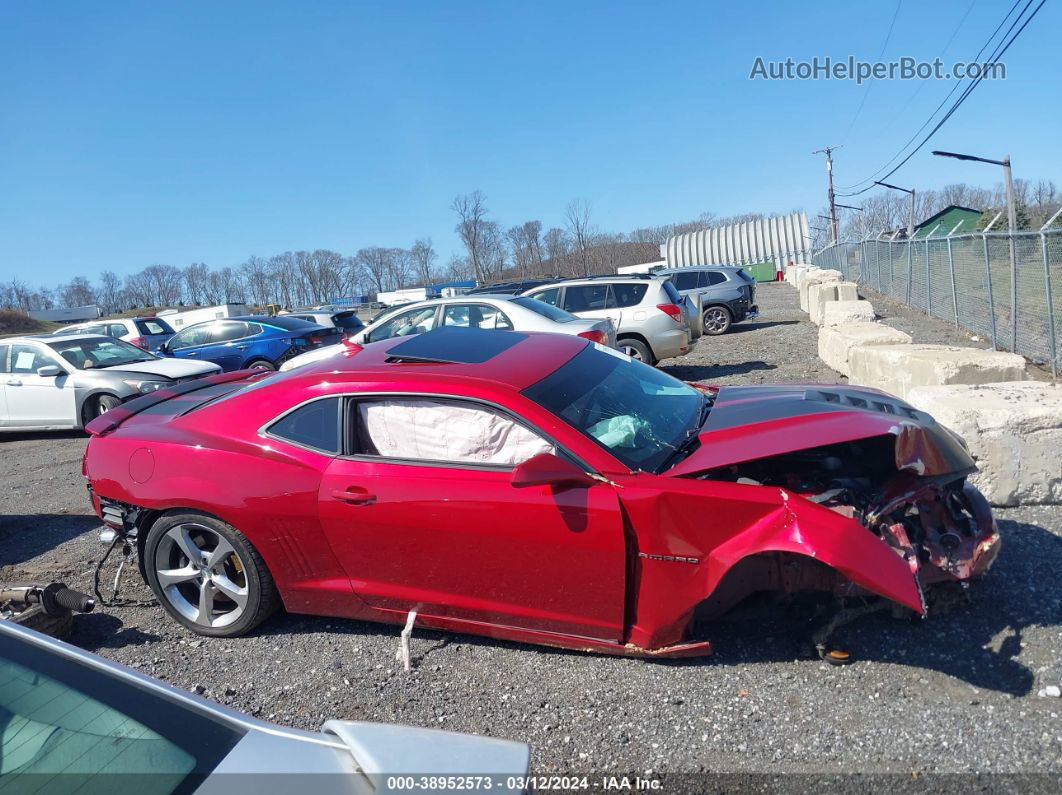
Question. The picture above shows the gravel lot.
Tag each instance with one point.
(952, 694)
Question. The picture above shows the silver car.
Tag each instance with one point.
(71, 721)
(143, 332)
(504, 312)
(60, 383)
(650, 317)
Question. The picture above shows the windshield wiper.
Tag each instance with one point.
(688, 444)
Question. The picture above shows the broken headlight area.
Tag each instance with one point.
(940, 525)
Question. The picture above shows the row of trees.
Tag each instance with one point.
(299, 278)
(1036, 202)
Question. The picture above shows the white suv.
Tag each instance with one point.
(649, 313)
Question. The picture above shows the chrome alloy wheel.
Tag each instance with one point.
(631, 351)
(201, 575)
(716, 320)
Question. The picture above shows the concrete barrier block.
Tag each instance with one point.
(836, 342)
(816, 277)
(899, 368)
(819, 295)
(802, 274)
(1014, 432)
(795, 271)
(835, 313)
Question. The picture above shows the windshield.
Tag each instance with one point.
(65, 726)
(637, 413)
(544, 309)
(97, 352)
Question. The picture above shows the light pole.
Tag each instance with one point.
(1008, 181)
(863, 225)
(1012, 224)
(910, 216)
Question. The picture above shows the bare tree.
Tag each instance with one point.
(422, 258)
(525, 241)
(109, 293)
(376, 264)
(78, 292)
(471, 212)
(577, 217)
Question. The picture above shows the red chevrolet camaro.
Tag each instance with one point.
(531, 487)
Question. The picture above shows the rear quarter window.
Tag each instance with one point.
(629, 294)
(315, 425)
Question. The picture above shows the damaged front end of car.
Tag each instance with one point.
(875, 514)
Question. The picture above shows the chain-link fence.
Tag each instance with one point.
(1007, 288)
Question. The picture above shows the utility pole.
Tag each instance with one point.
(828, 151)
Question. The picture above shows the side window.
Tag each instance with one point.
(686, 280)
(416, 321)
(116, 330)
(190, 337)
(715, 277)
(3, 358)
(629, 294)
(227, 332)
(314, 425)
(443, 431)
(550, 296)
(475, 316)
(588, 297)
(25, 359)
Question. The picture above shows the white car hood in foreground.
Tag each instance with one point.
(165, 368)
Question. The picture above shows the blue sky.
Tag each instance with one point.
(134, 133)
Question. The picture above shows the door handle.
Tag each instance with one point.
(13, 382)
(241, 347)
(354, 496)
(191, 353)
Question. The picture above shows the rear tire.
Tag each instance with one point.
(261, 364)
(208, 576)
(636, 349)
(717, 320)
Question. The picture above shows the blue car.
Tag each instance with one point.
(237, 343)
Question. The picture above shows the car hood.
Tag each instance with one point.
(162, 368)
(752, 422)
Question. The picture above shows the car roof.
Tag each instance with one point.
(510, 358)
(47, 338)
(701, 268)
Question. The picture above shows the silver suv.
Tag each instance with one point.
(143, 332)
(648, 312)
(727, 293)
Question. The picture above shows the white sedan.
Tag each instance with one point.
(50, 383)
(500, 312)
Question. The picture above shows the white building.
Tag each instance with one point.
(70, 314)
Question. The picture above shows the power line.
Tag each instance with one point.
(944, 101)
(866, 91)
(962, 98)
(941, 54)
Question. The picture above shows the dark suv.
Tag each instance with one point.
(727, 293)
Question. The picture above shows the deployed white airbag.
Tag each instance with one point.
(617, 431)
(435, 430)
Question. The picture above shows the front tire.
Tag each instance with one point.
(717, 320)
(97, 406)
(208, 576)
(260, 364)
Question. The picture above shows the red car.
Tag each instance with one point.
(531, 487)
